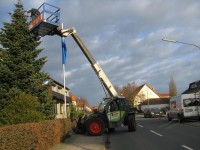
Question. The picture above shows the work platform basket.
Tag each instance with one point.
(45, 20)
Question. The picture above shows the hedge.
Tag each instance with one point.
(34, 136)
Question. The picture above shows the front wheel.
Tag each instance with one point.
(95, 126)
(131, 123)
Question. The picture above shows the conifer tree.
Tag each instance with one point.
(19, 63)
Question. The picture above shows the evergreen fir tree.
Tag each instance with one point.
(19, 62)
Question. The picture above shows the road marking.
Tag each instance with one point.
(184, 146)
(156, 133)
(140, 125)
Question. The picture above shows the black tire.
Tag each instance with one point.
(95, 126)
(169, 118)
(131, 123)
(111, 129)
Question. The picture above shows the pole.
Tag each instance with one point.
(65, 111)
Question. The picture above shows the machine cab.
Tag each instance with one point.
(115, 109)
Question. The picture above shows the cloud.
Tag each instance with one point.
(124, 37)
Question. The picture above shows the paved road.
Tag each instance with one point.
(151, 134)
(158, 134)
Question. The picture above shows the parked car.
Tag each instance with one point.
(152, 112)
(164, 110)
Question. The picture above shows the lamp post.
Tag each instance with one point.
(174, 41)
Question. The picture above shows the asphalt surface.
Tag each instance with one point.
(151, 134)
(158, 134)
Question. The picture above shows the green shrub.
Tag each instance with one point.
(34, 136)
(21, 109)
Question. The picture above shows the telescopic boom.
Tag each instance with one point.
(96, 67)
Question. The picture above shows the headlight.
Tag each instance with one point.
(152, 112)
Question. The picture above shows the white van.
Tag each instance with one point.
(183, 107)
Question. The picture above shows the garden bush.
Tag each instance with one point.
(21, 109)
(34, 136)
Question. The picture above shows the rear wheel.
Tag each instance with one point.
(95, 126)
(131, 123)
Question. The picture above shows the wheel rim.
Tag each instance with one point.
(95, 127)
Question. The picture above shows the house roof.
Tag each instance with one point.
(194, 87)
(164, 95)
(56, 82)
(188, 91)
(137, 90)
(73, 97)
(95, 107)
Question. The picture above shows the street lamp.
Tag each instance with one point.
(174, 41)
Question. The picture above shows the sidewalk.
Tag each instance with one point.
(82, 142)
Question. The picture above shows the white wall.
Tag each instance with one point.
(154, 106)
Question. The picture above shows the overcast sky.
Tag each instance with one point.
(125, 37)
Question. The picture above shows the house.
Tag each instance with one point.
(74, 99)
(155, 103)
(147, 96)
(165, 95)
(78, 104)
(95, 107)
(142, 93)
(58, 92)
(194, 87)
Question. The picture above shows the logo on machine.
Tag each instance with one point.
(114, 116)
